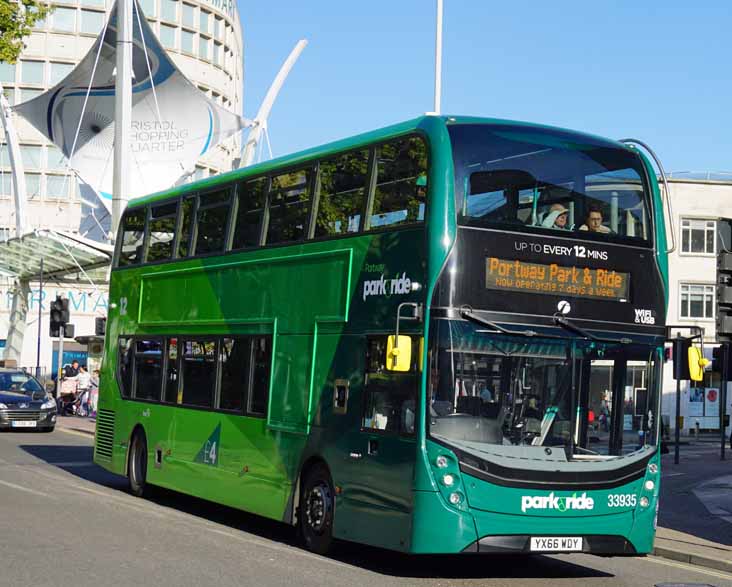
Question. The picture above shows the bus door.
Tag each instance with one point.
(382, 451)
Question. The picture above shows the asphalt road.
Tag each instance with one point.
(64, 521)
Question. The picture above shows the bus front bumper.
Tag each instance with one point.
(603, 545)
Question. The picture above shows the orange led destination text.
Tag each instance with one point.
(554, 279)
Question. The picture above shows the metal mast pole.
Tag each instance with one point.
(725, 350)
(16, 164)
(260, 121)
(438, 59)
(122, 111)
(40, 317)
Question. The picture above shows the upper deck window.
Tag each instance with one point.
(133, 236)
(252, 199)
(212, 220)
(162, 232)
(533, 179)
(289, 207)
(401, 183)
(342, 193)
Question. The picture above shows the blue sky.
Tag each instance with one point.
(660, 71)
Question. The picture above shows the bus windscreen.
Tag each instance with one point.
(549, 181)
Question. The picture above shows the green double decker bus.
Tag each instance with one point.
(444, 336)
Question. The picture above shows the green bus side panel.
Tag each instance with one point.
(289, 408)
(297, 289)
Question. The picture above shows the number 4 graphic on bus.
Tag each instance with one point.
(209, 453)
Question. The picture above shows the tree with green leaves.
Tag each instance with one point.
(17, 18)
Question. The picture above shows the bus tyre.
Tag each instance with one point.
(317, 504)
(137, 467)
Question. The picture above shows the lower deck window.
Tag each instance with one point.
(148, 369)
(198, 358)
(228, 373)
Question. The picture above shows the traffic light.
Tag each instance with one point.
(59, 315)
(100, 325)
(722, 362)
(724, 280)
(680, 352)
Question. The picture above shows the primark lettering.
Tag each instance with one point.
(80, 302)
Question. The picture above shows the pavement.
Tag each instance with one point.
(77, 424)
(695, 517)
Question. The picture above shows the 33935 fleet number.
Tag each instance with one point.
(621, 500)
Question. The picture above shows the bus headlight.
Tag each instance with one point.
(456, 497)
(653, 468)
(448, 480)
(441, 462)
(649, 485)
(644, 502)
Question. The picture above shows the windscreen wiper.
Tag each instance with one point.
(468, 314)
(565, 323)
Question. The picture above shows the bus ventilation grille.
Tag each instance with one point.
(105, 434)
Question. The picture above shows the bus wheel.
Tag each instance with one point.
(316, 510)
(137, 467)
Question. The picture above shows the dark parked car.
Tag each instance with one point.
(24, 403)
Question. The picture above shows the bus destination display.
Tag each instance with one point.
(582, 282)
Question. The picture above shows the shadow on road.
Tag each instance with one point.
(77, 460)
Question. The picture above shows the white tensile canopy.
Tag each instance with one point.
(173, 123)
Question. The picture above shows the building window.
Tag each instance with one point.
(203, 48)
(64, 19)
(217, 54)
(31, 156)
(31, 72)
(698, 236)
(57, 186)
(205, 19)
(56, 159)
(697, 300)
(6, 184)
(219, 29)
(7, 73)
(148, 7)
(186, 41)
(91, 21)
(33, 186)
(169, 10)
(94, 3)
(167, 36)
(28, 94)
(59, 71)
(189, 15)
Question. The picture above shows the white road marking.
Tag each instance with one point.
(672, 474)
(21, 488)
(678, 565)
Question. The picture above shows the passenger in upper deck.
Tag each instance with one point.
(556, 218)
(593, 221)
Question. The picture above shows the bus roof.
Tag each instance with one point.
(352, 142)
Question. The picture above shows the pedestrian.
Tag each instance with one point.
(83, 382)
(72, 370)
